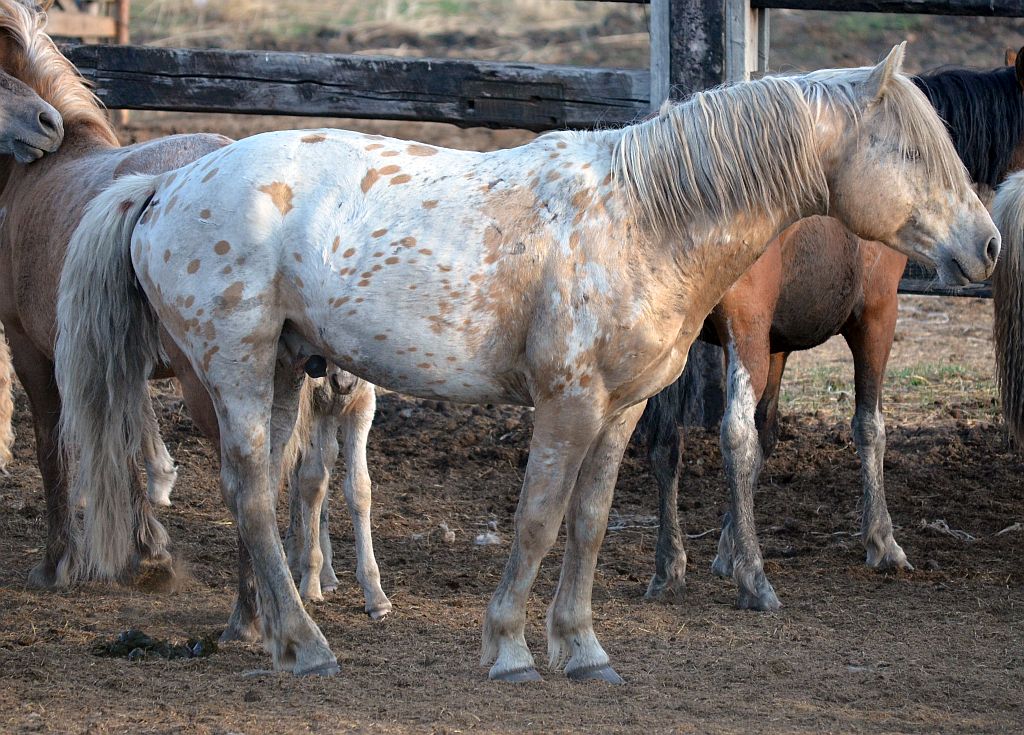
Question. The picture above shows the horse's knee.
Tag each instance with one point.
(868, 428)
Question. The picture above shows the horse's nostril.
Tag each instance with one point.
(992, 249)
(48, 123)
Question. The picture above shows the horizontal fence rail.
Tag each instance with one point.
(986, 8)
(920, 280)
(467, 93)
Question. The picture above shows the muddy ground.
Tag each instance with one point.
(940, 649)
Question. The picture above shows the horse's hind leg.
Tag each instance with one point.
(250, 469)
(161, 473)
(669, 578)
(570, 623)
(356, 420)
(562, 435)
(870, 339)
(739, 550)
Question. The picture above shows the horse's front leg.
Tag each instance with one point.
(870, 339)
(357, 417)
(562, 435)
(570, 623)
(739, 552)
(161, 472)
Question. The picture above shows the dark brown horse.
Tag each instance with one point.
(815, 281)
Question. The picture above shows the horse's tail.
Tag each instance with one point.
(6, 403)
(1008, 293)
(107, 346)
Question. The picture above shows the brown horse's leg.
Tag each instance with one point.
(669, 580)
(870, 339)
(739, 552)
(766, 417)
(35, 371)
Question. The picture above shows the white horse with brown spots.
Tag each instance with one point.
(571, 273)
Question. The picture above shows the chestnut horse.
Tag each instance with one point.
(43, 203)
(572, 273)
(815, 281)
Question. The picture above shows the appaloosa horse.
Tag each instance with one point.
(571, 273)
(814, 281)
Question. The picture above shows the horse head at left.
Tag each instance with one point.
(29, 125)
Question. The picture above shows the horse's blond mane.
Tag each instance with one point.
(751, 148)
(39, 64)
(1008, 299)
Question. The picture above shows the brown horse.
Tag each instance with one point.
(44, 203)
(815, 281)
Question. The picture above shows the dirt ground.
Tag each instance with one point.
(940, 649)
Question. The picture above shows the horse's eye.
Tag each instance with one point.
(912, 154)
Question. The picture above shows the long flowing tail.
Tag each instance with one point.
(107, 346)
(1008, 293)
(6, 403)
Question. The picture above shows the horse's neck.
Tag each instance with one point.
(79, 139)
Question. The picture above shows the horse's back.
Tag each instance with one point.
(164, 154)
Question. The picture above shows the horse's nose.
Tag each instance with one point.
(48, 122)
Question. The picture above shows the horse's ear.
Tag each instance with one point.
(1018, 64)
(883, 73)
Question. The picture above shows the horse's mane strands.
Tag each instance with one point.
(985, 115)
(710, 158)
(41, 66)
(1008, 301)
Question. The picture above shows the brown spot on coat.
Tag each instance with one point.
(167, 255)
(379, 233)
(314, 138)
(280, 194)
(222, 247)
(371, 178)
(298, 257)
(402, 179)
(407, 242)
(193, 266)
(336, 244)
(380, 337)
(392, 260)
(389, 154)
(425, 251)
(417, 149)
(204, 214)
(232, 295)
(374, 146)
(189, 301)
(208, 356)
(430, 204)
(388, 170)
(349, 253)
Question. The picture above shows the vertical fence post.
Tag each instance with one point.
(687, 55)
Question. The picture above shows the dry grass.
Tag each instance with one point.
(236, 23)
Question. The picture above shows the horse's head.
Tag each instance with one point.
(29, 126)
(894, 175)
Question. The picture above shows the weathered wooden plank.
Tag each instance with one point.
(467, 93)
(990, 8)
(920, 280)
(933, 288)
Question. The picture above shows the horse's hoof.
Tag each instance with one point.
(598, 672)
(328, 589)
(893, 560)
(43, 576)
(243, 633)
(516, 675)
(665, 590)
(380, 612)
(328, 669)
(763, 601)
(721, 568)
